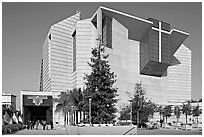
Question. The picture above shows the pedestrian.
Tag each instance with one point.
(28, 124)
(47, 125)
(44, 124)
(32, 125)
(51, 125)
(37, 124)
(161, 121)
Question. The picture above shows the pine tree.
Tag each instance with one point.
(99, 87)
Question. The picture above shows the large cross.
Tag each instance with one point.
(37, 100)
(160, 38)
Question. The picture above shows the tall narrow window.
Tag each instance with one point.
(107, 32)
(74, 51)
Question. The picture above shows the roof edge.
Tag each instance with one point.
(180, 31)
(125, 14)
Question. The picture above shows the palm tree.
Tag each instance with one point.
(196, 112)
(177, 113)
(186, 108)
(77, 98)
(167, 112)
(70, 101)
(64, 103)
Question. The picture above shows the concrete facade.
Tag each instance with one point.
(167, 81)
(57, 55)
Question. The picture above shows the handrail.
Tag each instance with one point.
(128, 130)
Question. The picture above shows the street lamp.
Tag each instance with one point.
(130, 111)
(90, 110)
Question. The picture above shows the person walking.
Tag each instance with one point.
(44, 124)
(37, 124)
(28, 124)
(51, 125)
(32, 125)
(161, 121)
(47, 125)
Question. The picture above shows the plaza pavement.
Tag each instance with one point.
(169, 132)
(58, 130)
(71, 130)
(102, 130)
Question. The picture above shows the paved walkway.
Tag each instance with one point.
(169, 132)
(102, 130)
(71, 130)
(58, 130)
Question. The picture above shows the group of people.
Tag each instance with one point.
(35, 124)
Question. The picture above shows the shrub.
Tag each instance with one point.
(8, 129)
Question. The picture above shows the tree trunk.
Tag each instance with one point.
(177, 123)
(76, 116)
(186, 121)
(64, 118)
(84, 117)
(80, 117)
(197, 119)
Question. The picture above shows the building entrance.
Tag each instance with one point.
(37, 107)
(35, 113)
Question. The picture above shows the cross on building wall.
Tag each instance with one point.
(160, 38)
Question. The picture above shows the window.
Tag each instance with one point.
(74, 51)
(107, 32)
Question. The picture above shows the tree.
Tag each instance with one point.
(141, 107)
(77, 98)
(70, 101)
(125, 113)
(160, 110)
(196, 112)
(186, 108)
(177, 113)
(99, 87)
(167, 112)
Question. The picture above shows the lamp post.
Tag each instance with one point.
(130, 111)
(90, 110)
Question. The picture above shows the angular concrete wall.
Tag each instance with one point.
(85, 41)
(179, 76)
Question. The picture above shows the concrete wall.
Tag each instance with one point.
(57, 55)
(179, 76)
(123, 60)
(85, 41)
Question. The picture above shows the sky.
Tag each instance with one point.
(25, 26)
